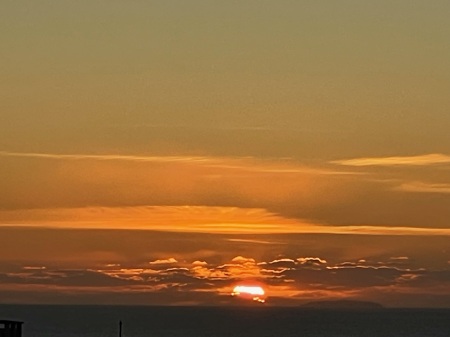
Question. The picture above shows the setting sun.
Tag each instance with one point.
(255, 293)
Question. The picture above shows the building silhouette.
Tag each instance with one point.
(10, 328)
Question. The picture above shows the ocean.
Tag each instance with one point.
(103, 321)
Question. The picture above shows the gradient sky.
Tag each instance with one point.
(161, 152)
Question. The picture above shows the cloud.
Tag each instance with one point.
(282, 263)
(194, 219)
(66, 277)
(83, 180)
(421, 160)
(401, 263)
(343, 277)
(423, 279)
(169, 271)
(243, 260)
(170, 260)
(200, 263)
(399, 258)
(34, 268)
(239, 268)
(311, 262)
(249, 164)
(297, 283)
(347, 264)
(108, 157)
(162, 218)
(420, 187)
(263, 242)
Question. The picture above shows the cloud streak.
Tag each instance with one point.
(250, 164)
(192, 219)
(421, 160)
(106, 157)
(420, 187)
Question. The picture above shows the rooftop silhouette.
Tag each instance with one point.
(10, 328)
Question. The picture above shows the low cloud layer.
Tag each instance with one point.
(287, 280)
(202, 268)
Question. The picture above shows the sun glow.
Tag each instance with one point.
(255, 293)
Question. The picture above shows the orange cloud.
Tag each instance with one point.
(108, 157)
(197, 219)
(295, 283)
(83, 180)
(232, 163)
(422, 160)
(170, 260)
(199, 263)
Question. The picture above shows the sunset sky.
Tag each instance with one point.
(163, 152)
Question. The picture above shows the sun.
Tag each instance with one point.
(252, 292)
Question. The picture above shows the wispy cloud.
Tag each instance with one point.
(249, 164)
(114, 157)
(420, 187)
(399, 258)
(313, 262)
(421, 160)
(198, 219)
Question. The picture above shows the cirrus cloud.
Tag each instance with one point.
(420, 160)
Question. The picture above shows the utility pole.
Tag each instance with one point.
(120, 328)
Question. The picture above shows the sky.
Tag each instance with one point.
(163, 152)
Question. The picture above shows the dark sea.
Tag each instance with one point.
(103, 321)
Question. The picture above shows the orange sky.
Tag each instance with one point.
(162, 152)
